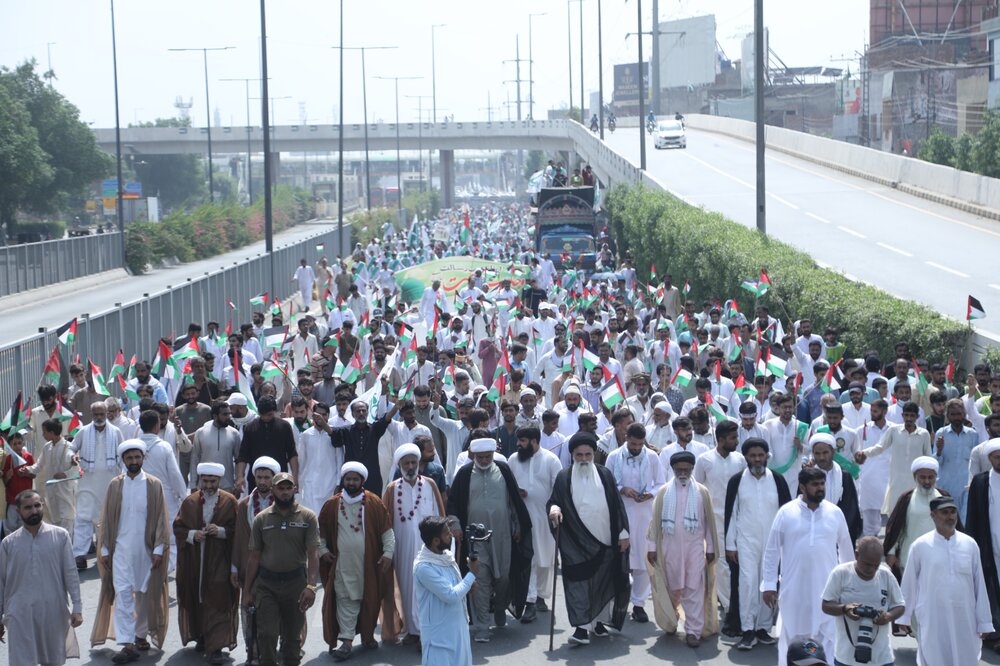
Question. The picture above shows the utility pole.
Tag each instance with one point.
(266, 129)
(531, 69)
(399, 168)
(642, 88)
(600, 70)
(249, 169)
(569, 60)
(420, 136)
(119, 213)
(340, 146)
(655, 59)
(582, 92)
(759, 83)
(517, 60)
(434, 103)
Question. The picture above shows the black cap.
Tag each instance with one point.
(583, 438)
(943, 502)
(806, 653)
(682, 457)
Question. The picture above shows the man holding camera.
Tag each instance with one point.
(866, 597)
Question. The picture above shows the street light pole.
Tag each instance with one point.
(582, 92)
(642, 93)
(266, 130)
(531, 69)
(340, 146)
(434, 106)
(208, 112)
(569, 56)
(120, 214)
(758, 79)
(249, 139)
(399, 164)
(600, 70)
(420, 134)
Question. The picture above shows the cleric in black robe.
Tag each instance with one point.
(732, 625)
(980, 525)
(593, 541)
(521, 550)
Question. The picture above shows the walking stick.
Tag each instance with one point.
(555, 572)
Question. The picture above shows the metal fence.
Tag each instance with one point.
(34, 265)
(136, 326)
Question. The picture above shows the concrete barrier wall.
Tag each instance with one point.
(960, 189)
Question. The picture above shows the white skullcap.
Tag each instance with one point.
(571, 390)
(991, 446)
(483, 445)
(525, 391)
(265, 462)
(130, 444)
(354, 466)
(823, 438)
(663, 406)
(405, 450)
(211, 469)
(923, 462)
(237, 399)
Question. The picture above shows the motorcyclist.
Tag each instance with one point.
(611, 118)
(593, 123)
(650, 121)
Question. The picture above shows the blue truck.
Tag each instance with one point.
(566, 226)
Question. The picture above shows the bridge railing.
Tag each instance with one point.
(136, 326)
(32, 265)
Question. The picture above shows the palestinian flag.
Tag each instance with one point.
(351, 372)
(276, 308)
(131, 368)
(275, 336)
(449, 376)
(567, 362)
(686, 289)
(260, 300)
(17, 460)
(682, 378)
(763, 283)
(652, 272)
(830, 382)
(272, 369)
(498, 388)
(243, 386)
(737, 349)
(365, 326)
(921, 380)
(190, 350)
(612, 393)
(328, 300)
(53, 367)
(320, 247)
(949, 373)
(67, 332)
(973, 311)
(732, 308)
(536, 337)
(18, 415)
(743, 388)
(97, 377)
(127, 390)
(166, 364)
(590, 359)
(466, 233)
(118, 367)
(71, 418)
(713, 408)
(232, 306)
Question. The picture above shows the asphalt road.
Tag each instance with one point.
(912, 248)
(53, 306)
(517, 643)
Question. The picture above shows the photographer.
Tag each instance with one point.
(440, 592)
(866, 597)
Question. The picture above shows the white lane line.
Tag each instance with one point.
(784, 201)
(848, 230)
(894, 249)
(946, 269)
(818, 218)
(994, 286)
(719, 171)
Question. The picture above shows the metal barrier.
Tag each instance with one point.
(137, 326)
(34, 265)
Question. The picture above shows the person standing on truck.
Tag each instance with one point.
(576, 180)
(588, 176)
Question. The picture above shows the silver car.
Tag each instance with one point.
(670, 134)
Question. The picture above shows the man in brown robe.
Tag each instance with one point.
(206, 600)
(356, 548)
(134, 534)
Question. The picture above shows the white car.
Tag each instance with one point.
(670, 134)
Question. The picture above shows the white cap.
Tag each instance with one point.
(571, 389)
(408, 449)
(265, 462)
(211, 469)
(483, 445)
(130, 444)
(238, 399)
(354, 466)
(925, 462)
(822, 438)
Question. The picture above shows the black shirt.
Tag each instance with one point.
(273, 439)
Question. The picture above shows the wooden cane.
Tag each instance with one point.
(555, 571)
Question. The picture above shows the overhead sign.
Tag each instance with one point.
(627, 82)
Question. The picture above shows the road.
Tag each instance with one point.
(53, 306)
(912, 248)
(521, 644)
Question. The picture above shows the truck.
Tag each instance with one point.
(566, 226)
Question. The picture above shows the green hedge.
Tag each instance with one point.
(715, 255)
(210, 229)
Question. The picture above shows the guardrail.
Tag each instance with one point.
(136, 326)
(33, 265)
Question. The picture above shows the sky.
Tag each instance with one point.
(470, 51)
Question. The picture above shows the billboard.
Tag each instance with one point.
(688, 52)
(627, 82)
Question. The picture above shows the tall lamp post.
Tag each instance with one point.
(420, 133)
(531, 69)
(208, 111)
(364, 101)
(119, 213)
(249, 138)
(758, 105)
(434, 105)
(642, 89)
(600, 69)
(399, 165)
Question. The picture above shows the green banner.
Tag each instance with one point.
(454, 273)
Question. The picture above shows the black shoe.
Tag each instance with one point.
(81, 564)
(125, 655)
(747, 642)
(580, 637)
(764, 637)
(639, 614)
(93, 548)
(541, 606)
(529, 614)
(601, 631)
(141, 644)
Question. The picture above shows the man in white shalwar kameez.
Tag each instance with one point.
(906, 442)
(319, 461)
(638, 475)
(161, 462)
(305, 278)
(945, 592)
(874, 481)
(808, 538)
(96, 446)
(409, 499)
(53, 462)
(536, 469)
(37, 574)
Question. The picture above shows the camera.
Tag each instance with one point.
(476, 533)
(866, 633)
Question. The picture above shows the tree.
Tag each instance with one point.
(963, 152)
(535, 162)
(984, 154)
(22, 160)
(60, 153)
(175, 179)
(939, 148)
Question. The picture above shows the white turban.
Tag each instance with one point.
(354, 466)
(525, 391)
(405, 450)
(483, 445)
(991, 446)
(237, 399)
(823, 438)
(663, 406)
(211, 469)
(924, 462)
(571, 389)
(265, 462)
(130, 444)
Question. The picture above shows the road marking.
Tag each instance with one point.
(719, 171)
(894, 249)
(946, 269)
(994, 286)
(848, 230)
(784, 201)
(818, 218)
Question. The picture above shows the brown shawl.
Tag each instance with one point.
(377, 521)
(157, 533)
(206, 600)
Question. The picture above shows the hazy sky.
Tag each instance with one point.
(470, 50)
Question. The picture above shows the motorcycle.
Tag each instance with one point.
(593, 126)
(650, 126)
(611, 124)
